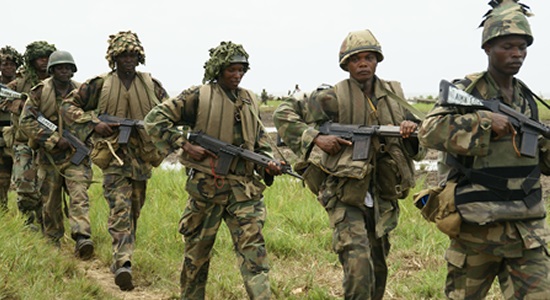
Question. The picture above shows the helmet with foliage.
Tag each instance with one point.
(36, 50)
(359, 41)
(9, 53)
(221, 57)
(61, 57)
(507, 17)
(124, 41)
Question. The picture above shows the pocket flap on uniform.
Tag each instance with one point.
(455, 258)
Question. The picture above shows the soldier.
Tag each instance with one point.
(497, 193)
(225, 111)
(264, 96)
(24, 166)
(360, 196)
(125, 93)
(55, 171)
(10, 60)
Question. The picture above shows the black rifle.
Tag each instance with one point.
(450, 95)
(125, 126)
(227, 153)
(81, 149)
(360, 135)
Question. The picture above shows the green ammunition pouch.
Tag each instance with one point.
(394, 174)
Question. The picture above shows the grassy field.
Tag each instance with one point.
(298, 239)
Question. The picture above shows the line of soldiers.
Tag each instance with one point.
(360, 196)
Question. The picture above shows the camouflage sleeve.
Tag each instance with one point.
(297, 120)
(77, 110)
(162, 121)
(456, 132)
(160, 92)
(43, 136)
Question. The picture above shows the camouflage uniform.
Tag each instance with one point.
(514, 251)
(236, 198)
(127, 170)
(24, 164)
(361, 209)
(55, 170)
(6, 133)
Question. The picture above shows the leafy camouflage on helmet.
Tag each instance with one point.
(36, 50)
(506, 18)
(124, 41)
(9, 53)
(221, 57)
(359, 41)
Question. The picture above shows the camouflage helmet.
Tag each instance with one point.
(507, 17)
(9, 53)
(60, 57)
(36, 50)
(124, 41)
(359, 41)
(221, 57)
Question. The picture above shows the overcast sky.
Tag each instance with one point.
(289, 42)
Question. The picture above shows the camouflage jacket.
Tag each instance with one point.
(164, 124)
(468, 134)
(297, 122)
(80, 112)
(22, 84)
(44, 99)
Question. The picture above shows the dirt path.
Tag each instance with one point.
(96, 271)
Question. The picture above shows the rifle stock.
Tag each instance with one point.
(360, 135)
(529, 129)
(81, 149)
(125, 126)
(8, 95)
(227, 153)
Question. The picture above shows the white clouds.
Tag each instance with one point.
(289, 41)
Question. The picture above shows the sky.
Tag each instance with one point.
(289, 41)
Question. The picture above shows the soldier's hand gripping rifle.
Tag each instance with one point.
(360, 135)
(125, 126)
(529, 129)
(81, 149)
(227, 153)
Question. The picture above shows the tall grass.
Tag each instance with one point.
(298, 239)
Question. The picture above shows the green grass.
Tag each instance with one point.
(298, 239)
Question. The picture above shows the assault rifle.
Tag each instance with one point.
(125, 126)
(360, 135)
(81, 149)
(227, 153)
(7, 94)
(450, 95)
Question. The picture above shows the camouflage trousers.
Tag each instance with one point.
(25, 178)
(470, 274)
(125, 197)
(199, 225)
(6, 165)
(74, 181)
(361, 253)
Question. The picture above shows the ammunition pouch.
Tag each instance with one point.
(394, 174)
(104, 150)
(437, 205)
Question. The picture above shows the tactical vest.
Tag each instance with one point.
(499, 186)
(216, 117)
(354, 108)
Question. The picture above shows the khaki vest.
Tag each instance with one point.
(216, 117)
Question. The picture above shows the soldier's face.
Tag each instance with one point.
(362, 66)
(127, 61)
(62, 72)
(230, 78)
(506, 54)
(7, 68)
(41, 64)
